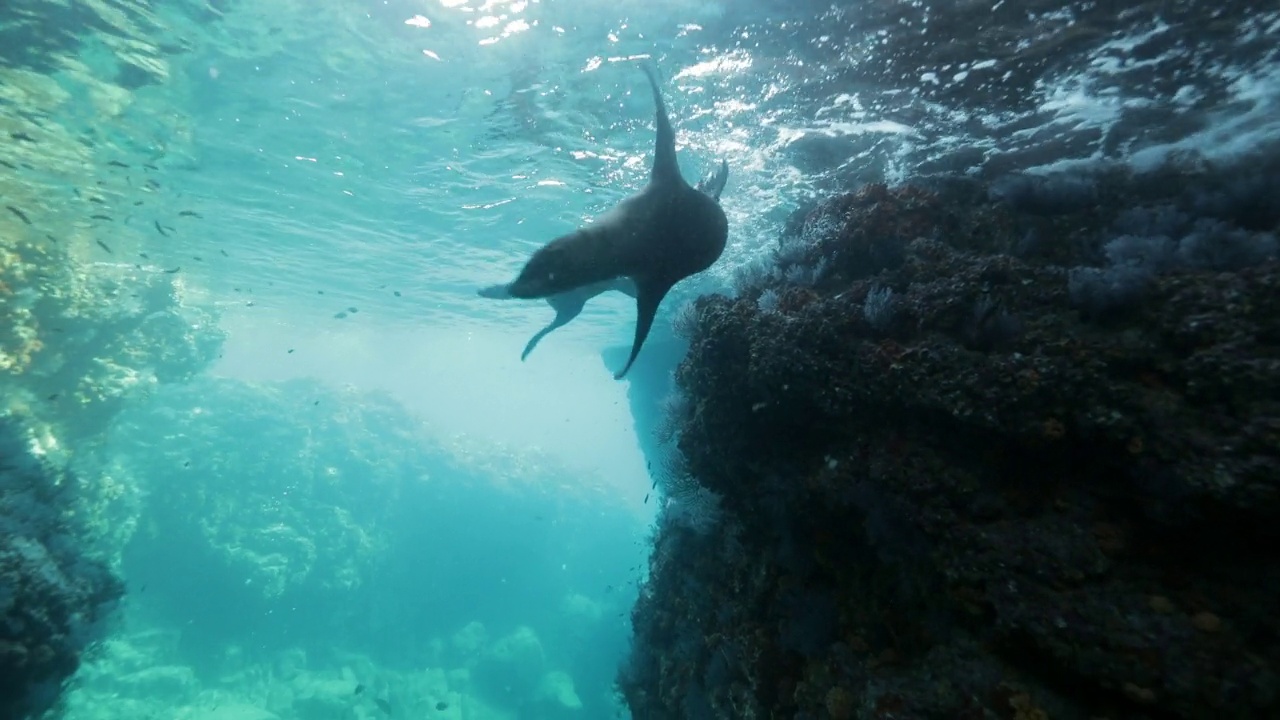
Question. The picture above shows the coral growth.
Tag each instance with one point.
(953, 489)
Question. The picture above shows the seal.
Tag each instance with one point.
(657, 237)
(568, 305)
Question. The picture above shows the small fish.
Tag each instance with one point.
(22, 137)
(136, 203)
(100, 217)
(143, 256)
(442, 705)
(186, 463)
(646, 498)
(104, 246)
(339, 315)
(352, 310)
(359, 689)
(191, 213)
(152, 184)
(160, 229)
(397, 293)
(319, 292)
(52, 397)
(52, 239)
(149, 166)
(197, 258)
(383, 705)
(290, 351)
(224, 252)
(316, 402)
(117, 163)
(96, 199)
(8, 164)
(21, 215)
(174, 270)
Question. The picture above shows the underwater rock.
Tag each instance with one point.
(989, 503)
(174, 683)
(75, 346)
(320, 695)
(557, 687)
(514, 664)
(55, 591)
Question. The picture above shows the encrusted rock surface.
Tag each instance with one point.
(1007, 452)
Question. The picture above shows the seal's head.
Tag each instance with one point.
(545, 274)
(592, 252)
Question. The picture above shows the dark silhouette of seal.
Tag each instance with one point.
(568, 305)
(656, 237)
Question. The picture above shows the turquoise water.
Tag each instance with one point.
(330, 484)
(285, 535)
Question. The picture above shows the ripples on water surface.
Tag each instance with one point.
(359, 149)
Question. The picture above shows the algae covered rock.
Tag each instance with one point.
(55, 592)
(224, 494)
(952, 488)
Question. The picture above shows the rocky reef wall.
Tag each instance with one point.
(77, 342)
(54, 595)
(969, 450)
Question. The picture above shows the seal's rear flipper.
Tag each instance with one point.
(565, 313)
(713, 184)
(649, 294)
(497, 292)
(666, 171)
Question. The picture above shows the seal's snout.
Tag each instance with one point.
(496, 292)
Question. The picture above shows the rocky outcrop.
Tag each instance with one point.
(54, 593)
(982, 452)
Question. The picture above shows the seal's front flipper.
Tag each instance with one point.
(564, 315)
(649, 295)
(497, 292)
(713, 184)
